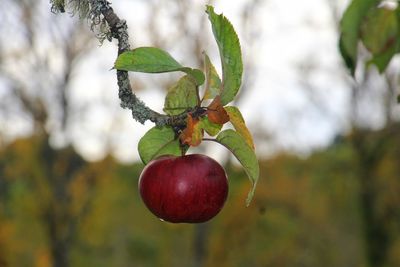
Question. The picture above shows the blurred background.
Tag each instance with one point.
(329, 146)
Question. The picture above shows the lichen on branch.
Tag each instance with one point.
(108, 25)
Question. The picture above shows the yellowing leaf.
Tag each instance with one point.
(216, 112)
(181, 96)
(237, 121)
(213, 82)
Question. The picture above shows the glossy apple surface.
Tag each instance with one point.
(186, 189)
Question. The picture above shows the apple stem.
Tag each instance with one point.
(184, 148)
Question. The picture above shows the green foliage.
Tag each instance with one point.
(379, 30)
(153, 60)
(147, 59)
(211, 128)
(244, 153)
(182, 96)
(377, 27)
(230, 52)
(157, 142)
(380, 34)
(349, 26)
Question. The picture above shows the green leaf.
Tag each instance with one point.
(381, 61)
(211, 128)
(236, 118)
(379, 30)
(348, 60)
(213, 84)
(350, 30)
(181, 96)
(147, 59)
(246, 156)
(379, 33)
(230, 53)
(198, 75)
(157, 142)
(153, 60)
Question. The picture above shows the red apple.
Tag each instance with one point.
(186, 189)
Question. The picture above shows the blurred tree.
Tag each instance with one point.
(308, 211)
(36, 69)
(38, 65)
(50, 176)
(372, 103)
(371, 90)
(378, 218)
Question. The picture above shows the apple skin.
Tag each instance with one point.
(185, 189)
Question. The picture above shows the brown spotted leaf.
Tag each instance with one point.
(193, 133)
(216, 112)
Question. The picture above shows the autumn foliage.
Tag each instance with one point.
(306, 211)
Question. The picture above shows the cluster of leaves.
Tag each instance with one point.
(206, 114)
(377, 25)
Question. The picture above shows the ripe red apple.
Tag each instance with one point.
(186, 189)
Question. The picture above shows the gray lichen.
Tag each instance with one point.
(98, 23)
(90, 10)
(80, 7)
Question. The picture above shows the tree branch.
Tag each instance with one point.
(100, 11)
